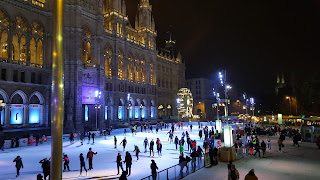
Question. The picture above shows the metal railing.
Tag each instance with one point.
(181, 170)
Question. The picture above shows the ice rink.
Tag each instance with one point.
(104, 163)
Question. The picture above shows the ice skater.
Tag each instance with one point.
(90, 157)
(119, 162)
(82, 164)
(151, 147)
(66, 162)
(124, 143)
(115, 142)
(45, 164)
(145, 143)
(19, 164)
(93, 135)
(176, 142)
(159, 148)
(128, 161)
(137, 150)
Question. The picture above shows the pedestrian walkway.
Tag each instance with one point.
(295, 163)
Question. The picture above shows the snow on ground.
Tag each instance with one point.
(104, 163)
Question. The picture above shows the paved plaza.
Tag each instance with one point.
(295, 163)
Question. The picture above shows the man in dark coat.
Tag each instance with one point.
(19, 164)
(128, 161)
(45, 167)
(119, 162)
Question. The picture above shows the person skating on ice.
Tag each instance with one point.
(19, 164)
(90, 157)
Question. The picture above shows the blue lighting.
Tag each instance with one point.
(152, 112)
(16, 114)
(34, 114)
(136, 112)
(143, 113)
(2, 116)
(120, 111)
(106, 113)
(130, 113)
(86, 113)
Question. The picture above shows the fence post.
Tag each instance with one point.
(175, 174)
(167, 175)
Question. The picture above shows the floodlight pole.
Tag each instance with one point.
(57, 107)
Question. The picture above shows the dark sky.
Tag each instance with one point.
(252, 40)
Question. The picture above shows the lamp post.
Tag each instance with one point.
(97, 106)
(246, 105)
(57, 104)
(289, 98)
(227, 133)
(178, 106)
(141, 107)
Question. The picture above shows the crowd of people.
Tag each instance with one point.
(248, 142)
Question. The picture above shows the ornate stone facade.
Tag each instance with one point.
(110, 67)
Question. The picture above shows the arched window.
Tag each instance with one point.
(86, 46)
(36, 45)
(108, 62)
(4, 28)
(3, 43)
(143, 70)
(19, 41)
(130, 68)
(151, 73)
(121, 74)
(136, 70)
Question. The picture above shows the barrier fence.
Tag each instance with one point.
(181, 170)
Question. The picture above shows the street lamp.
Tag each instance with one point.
(178, 106)
(289, 98)
(97, 106)
(227, 134)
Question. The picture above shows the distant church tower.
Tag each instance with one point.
(280, 83)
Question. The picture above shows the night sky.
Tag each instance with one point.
(252, 40)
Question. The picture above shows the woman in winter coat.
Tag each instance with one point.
(19, 164)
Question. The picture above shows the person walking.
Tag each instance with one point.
(233, 173)
(251, 175)
(263, 148)
(82, 164)
(137, 150)
(295, 140)
(90, 157)
(250, 147)
(257, 148)
(119, 162)
(145, 143)
(268, 142)
(124, 143)
(19, 164)
(128, 161)
(159, 148)
(115, 142)
(194, 155)
(45, 164)
(154, 168)
(151, 147)
(66, 162)
(200, 152)
(280, 144)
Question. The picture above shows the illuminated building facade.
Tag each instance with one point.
(203, 98)
(110, 66)
(170, 78)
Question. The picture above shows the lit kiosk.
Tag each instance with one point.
(228, 153)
